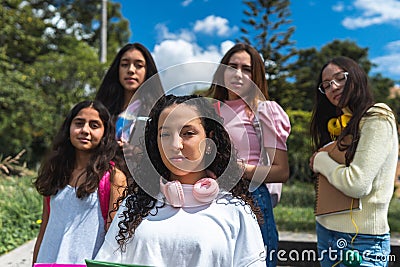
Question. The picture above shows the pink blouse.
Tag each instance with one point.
(275, 128)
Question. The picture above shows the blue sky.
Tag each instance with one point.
(178, 31)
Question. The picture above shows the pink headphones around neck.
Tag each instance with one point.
(205, 190)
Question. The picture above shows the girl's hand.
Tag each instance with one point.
(328, 147)
(120, 143)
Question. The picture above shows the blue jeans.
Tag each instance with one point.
(262, 199)
(332, 246)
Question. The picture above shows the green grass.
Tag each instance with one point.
(20, 210)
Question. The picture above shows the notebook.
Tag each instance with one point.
(94, 263)
(330, 200)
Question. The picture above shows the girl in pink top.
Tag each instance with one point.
(258, 128)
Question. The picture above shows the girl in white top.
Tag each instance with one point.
(178, 213)
(73, 226)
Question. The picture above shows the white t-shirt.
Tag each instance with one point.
(222, 233)
(75, 230)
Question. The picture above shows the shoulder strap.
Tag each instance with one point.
(217, 106)
(48, 203)
(257, 127)
(104, 192)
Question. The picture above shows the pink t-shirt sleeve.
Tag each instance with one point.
(275, 124)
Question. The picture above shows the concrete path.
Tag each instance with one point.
(19, 257)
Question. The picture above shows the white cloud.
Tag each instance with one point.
(172, 52)
(164, 34)
(186, 2)
(181, 62)
(393, 47)
(389, 65)
(372, 13)
(213, 24)
(339, 7)
(225, 46)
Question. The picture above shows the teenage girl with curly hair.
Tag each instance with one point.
(188, 205)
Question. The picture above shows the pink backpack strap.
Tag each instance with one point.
(104, 192)
(217, 106)
(48, 203)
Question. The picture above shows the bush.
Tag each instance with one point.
(21, 209)
(295, 211)
(298, 194)
(394, 215)
(299, 145)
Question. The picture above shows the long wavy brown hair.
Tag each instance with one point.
(56, 169)
(111, 92)
(217, 89)
(356, 95)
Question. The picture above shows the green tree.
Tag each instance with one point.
(21, 42)
(83, 19)
(380, 87)
(310, 61)
(268, 24)
(299, 145)
(49, 62)
(21, 32)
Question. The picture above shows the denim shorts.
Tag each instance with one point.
(262, 199)
(332, 247)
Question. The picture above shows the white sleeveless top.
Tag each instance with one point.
(75, 230)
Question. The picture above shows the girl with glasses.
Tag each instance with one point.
(367, 136)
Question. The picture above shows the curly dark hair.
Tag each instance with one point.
(56, 169)
(141, 194)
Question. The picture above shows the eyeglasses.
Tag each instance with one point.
(339, 79)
